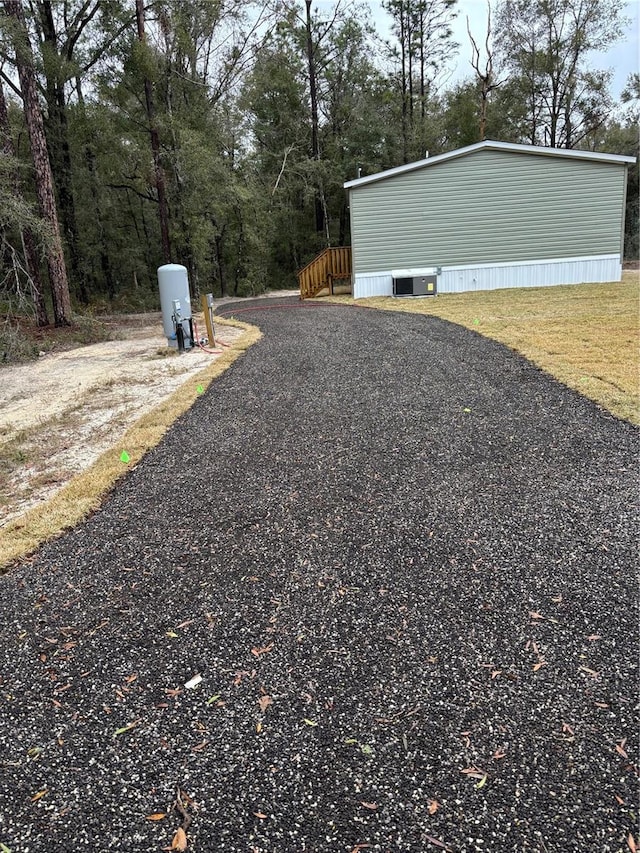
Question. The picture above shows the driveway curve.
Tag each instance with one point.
(403, 563)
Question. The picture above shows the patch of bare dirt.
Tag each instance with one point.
(59, 414)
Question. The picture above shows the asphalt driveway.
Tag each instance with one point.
(403, 562)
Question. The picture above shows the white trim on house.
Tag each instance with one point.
(538, 273)
(495, 146)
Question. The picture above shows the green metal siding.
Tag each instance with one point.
(488, 206)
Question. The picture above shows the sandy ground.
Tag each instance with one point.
(57, 415)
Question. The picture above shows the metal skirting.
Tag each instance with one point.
(539, 273)
(373, 284)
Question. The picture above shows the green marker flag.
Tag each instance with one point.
(124, 456)
(200, 389)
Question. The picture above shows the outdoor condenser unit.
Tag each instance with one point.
(420, 282)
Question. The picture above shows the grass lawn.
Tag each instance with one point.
(586, 335)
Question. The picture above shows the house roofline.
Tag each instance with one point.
(571, 153)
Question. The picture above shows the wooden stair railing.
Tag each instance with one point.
(330, 265)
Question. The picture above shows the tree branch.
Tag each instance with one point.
(11, 85)
(287, 151)
(146, 196)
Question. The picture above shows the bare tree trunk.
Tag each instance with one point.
(163, 210)
(90, 160)
(35, 279)
(147, 239)
(410, 50)
(179, 206)
(405, 116)
(28, 240)
(485, 77)
(423, 109)
(344, 222)
(218, 240)
(42, 167)
(315, 146)
(313, 93)
(57, 133)
(240, 245)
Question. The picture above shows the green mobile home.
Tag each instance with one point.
(486, 216)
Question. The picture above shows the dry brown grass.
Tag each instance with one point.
(584, 335)
(84, 493)
(27, 446)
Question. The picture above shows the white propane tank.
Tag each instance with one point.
(175, 303)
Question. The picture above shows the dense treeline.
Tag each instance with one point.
(218, 133)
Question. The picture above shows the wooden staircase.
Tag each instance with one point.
(330, 265)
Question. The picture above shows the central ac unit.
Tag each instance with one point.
(421, 282)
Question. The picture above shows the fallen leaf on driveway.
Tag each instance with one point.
(539, 665)
(179, 840)
(261, 650)
(39, 795)
(156, 816)
(126, 728)
(434, 805)
(371, 806)
(237, 681)
(438, 843)
(631, 843)
(473, 772)
(261, 815)
(620, 748)
(264, 702)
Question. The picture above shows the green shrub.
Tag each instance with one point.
(88, 330)
(14, 345)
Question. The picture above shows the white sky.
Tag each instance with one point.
(623, 59)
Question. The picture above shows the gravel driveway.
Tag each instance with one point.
(403, 562)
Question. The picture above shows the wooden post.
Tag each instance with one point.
(207, 319)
